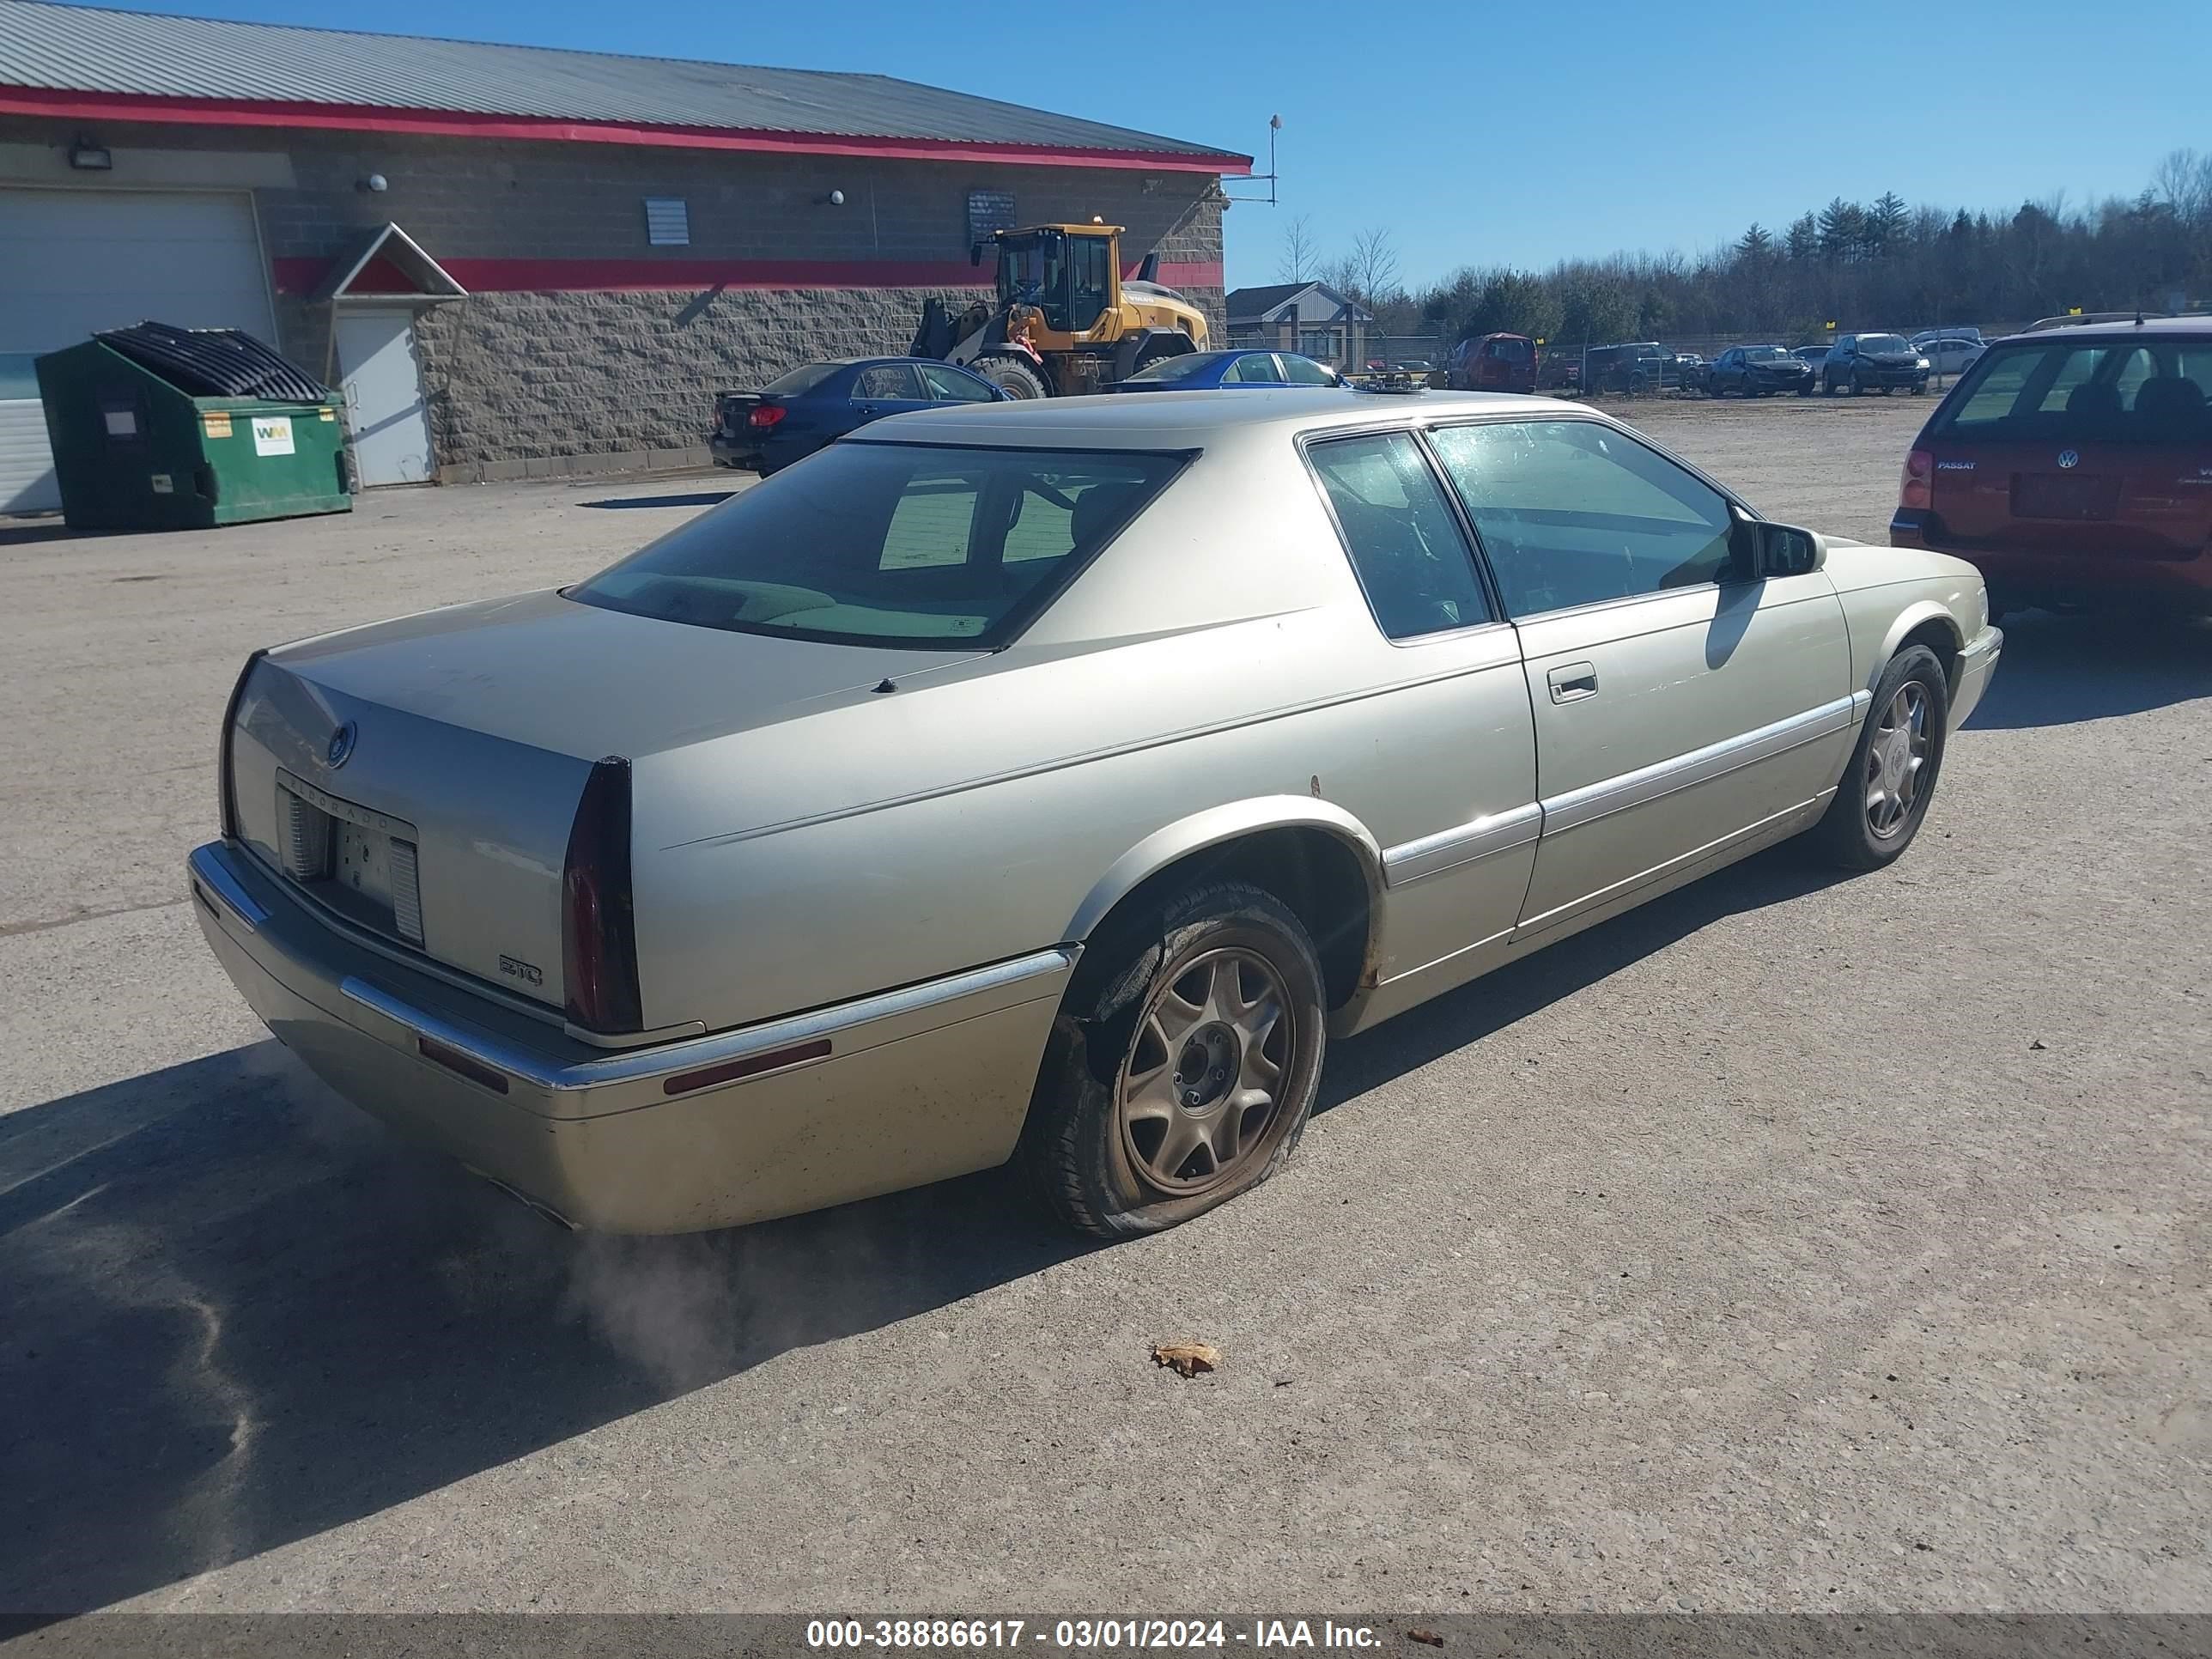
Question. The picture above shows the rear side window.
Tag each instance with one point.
(1404, 539)
(2058, 391)
(893, 382)
(1254, 369)
(1303, 371)
(901, 544)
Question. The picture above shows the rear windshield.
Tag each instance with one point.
(2128, 390)
(1510, 350)
(900, 544)
(801, 381)
(1179, 368)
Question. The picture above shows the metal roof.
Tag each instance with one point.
(58, 49)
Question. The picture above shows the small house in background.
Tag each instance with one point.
(1312, 319)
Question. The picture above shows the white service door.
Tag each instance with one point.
(383, 385)
(74, 261)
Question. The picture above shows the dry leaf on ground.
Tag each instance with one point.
(1188, 1358)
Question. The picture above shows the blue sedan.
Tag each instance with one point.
(1205, 370)
(791, 418)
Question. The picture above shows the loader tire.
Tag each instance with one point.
(1016, 377)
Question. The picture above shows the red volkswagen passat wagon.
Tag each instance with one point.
(2074, 467)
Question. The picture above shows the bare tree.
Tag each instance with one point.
(2184, 183)
(1301, 256)
(1370, 270)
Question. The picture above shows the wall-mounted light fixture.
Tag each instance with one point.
(92, 158)
(834, 198)
(375, 183)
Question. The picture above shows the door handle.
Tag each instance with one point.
(1573, 681)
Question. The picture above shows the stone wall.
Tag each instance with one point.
(633, 384)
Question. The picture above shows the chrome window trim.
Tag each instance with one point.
(1648, 783)
(694, 1053)
(1463, 843)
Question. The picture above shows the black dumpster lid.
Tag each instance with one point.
(214, 363)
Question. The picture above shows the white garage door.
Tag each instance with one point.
(74, 261)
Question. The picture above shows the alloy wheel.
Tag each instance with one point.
(1206, 1071)
(1895, 761)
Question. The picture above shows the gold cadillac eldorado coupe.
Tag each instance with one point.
(1048, 782)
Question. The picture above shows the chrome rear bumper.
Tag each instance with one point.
(888, 1091)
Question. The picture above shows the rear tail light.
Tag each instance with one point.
(1919, 487)
(226, 795)
(764, 416)
(598, 927)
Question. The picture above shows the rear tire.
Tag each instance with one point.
(1017, 376)
(1182, 1066)
(1884, 792)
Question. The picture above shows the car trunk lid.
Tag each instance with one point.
(420, 780)
(2149, 501)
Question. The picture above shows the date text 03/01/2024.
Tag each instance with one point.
(1080, 1634)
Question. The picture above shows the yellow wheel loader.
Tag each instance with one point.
(1065, 322)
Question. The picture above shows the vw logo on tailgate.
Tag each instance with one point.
(2069, 457)
(341, 746)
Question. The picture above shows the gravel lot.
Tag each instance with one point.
(1790, 1244)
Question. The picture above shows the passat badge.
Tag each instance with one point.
(341, 747)
(2069, 457)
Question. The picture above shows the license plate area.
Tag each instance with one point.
(360, 862)
(2064, 495)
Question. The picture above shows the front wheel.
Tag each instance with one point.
(1884, 791)
(1017, 377)
(1183, 1067)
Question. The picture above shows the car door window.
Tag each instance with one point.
(1253, 368)
(886, 383)
(1406, 544)
(1573, 513)
(1303, 371)
(948, 385)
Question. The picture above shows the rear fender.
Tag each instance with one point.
(1226, 822)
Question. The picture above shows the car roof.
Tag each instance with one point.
(1188, 419)
(2131, 329)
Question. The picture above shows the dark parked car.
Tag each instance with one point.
(1196, 370)
(1492, 363)
(1753, 371)
(2073, 466)
(792, 417)
(1644, 366)
(1869, 363)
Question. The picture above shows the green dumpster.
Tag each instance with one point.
(155, 427)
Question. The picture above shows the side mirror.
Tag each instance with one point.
(1782, 549)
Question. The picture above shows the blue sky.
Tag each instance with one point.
(1474, 147)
